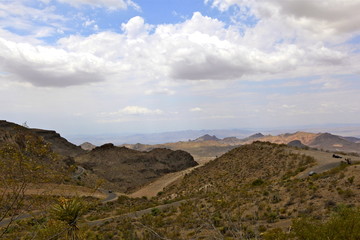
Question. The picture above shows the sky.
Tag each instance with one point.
(141, 66)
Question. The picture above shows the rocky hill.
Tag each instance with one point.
(58, 144)
(32, 152)
(206, 137)
(256, 191)
(253, 190)
(130, 168)
(331, 142)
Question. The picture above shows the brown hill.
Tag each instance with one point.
(303, 137)
(325, 141)
(252, 190)
(129, 168)
(32, 153)
(58, 144)
(331, 142)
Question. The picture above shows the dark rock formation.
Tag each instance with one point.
(131, 169)
(297, 143)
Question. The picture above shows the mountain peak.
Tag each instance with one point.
(206, 137)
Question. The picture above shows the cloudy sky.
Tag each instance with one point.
(137, 66)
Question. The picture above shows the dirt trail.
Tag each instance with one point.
(152, 189)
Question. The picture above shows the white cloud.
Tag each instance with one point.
(328, 83)
(110, 4)
(159, 91)
(33, 22)
(136, 110)
(135, 27)
(321, 18)
(48, 66)
(195, 109)
(200, 48)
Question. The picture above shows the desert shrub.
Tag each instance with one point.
(343, 224)
(257, 182)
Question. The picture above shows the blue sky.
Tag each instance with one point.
(132, 66)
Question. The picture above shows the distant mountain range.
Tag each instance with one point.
(176, 136)
(207, 147)
(158, 138)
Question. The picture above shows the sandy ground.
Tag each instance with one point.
(152, 189)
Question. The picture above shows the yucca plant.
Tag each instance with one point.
(69, 211)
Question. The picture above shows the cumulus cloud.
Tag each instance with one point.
(136, 110)
(200, 48)
(135, 27)
(48, 66)
(328, 17)
(195, 109)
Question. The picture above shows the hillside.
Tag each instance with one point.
(252, 192)
(255, 191)
(304, 137)
(129, 168)
(57, 143)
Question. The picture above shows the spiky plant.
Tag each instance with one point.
(69, 211)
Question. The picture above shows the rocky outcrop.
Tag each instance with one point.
(9, 132)
(296, 143)
(58, 144)
(131, 169)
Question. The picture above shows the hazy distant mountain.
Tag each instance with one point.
(331, 142)
(325, 141)
(303, 137)
(352, 139)
(87, 146)
(206, 137)
(158, 138)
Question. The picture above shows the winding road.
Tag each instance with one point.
(324, 161)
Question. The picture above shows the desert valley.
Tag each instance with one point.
(290, 186)
(179, 120)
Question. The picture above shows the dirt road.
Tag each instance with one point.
(152, 189)
(324, 161)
